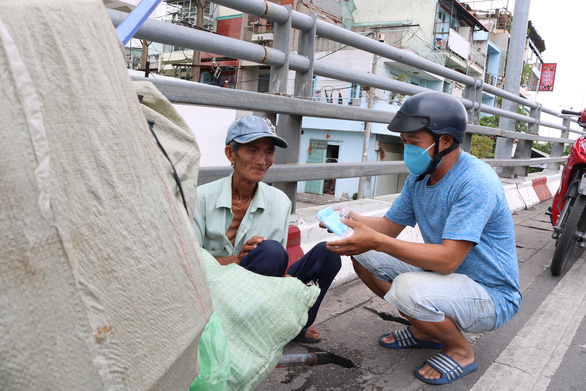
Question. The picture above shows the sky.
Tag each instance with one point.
(561, 25)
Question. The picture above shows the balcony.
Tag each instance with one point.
(461, 54)
(413, 40)
(491, 79)
(262, 32)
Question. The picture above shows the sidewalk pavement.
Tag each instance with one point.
(514, 357)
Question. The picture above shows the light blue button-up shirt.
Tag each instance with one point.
(267, 215)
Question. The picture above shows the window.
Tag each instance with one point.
(355, 91)
(263, 82)
(446, 88)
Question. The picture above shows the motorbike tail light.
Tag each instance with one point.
(582, 142)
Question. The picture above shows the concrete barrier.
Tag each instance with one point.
(521, 193)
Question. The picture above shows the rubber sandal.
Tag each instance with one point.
(303, 339)
(449, 369)
(404, 339)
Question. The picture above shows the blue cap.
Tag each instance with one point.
(250, 128)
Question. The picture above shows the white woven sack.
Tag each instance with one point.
(175, 137)
(101, 284)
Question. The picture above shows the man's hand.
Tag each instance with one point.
(362, 240)
(246, 248)
(249, 246)
(228, 260)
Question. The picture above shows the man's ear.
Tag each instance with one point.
(230, 154)
(447, 140)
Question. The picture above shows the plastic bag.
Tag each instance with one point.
(213, 357)
(331, 218)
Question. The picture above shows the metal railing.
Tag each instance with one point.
(291, 108)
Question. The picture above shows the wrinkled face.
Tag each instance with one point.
(252, 160)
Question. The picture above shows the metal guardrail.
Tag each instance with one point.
(291, 109)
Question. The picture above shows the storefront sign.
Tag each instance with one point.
(547, 77)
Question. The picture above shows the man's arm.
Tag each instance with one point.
(285, 222)
(228, 260)
(444, 258)
(199, 219)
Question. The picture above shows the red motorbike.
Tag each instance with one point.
(568, 215)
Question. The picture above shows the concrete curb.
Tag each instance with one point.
(521, 193)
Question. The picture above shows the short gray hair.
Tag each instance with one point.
(235, 145)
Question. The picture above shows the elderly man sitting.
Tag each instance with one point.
(241, 220)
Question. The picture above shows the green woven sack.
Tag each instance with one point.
(259, 316)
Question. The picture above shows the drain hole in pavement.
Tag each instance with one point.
(392, 318)
(331, 358)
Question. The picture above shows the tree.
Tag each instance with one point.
(483, 146)
(526, 75)
(395, 96)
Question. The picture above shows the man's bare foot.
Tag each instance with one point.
(389, 339)
(464, 358)
(308, 335)
(312, 333)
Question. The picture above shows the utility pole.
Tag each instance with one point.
(144, 54)
(196, 68)
(504, 146)
(367, 125)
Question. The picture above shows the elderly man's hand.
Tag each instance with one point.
(249, 246)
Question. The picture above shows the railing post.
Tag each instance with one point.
(306, 47)
(504, 146)
(536, 115)
(288, 126)
(282, 42)
(524, 147)
(557, 149)
(291, 124)
(474, 94)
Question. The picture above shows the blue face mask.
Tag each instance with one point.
(416, 158)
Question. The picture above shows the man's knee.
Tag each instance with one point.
(412, 295)
(333, 261)
(271, 246)
(357, 265)
(274, 250)
(362, 271)
(271, 258)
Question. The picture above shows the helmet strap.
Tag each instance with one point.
(437, 157)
